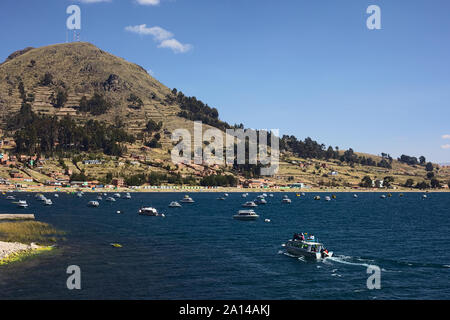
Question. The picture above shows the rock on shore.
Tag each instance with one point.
(7, 248)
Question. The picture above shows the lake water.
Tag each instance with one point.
(200, 252)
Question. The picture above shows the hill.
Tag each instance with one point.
(106, 95)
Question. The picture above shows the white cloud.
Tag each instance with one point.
(148, 2)
(91, 1)
(446, 136)
(158, 33)
(446, 146)
(175, 45)
(165, 38)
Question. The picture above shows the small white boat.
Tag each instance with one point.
(148, 211)
(22, 204)
(264, 195)
(10, 198)
(221, 198)
(40, 197)
(93, 204)
(244, 195)
(309, 248)
(99, 198)
(355, 196)
(127, 195)
(317, 198)
(79, 194)
(187, 199)
(117, 195)
(250, 204)
(48, 202)
(174, 204)
(261, 201)
(424, 196)
(56, 195)
(246, 215)
(271, 195)
(327, 198)
(286, 199)
(383, 196)
(110, 199)
(226, 194)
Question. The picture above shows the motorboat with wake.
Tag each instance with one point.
(246, 215)
(308, 247)
(22, 204)
(286, 199)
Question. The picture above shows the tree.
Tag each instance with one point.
(46, 80)
(387, 181)
(409, 183)
(366, 182)
(60, 99)
(429, 167)
(153, 126)
(97, 105)
(422, 160)
(435, 183)
(430, 175)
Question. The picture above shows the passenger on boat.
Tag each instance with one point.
(296, 237)
(303, 237)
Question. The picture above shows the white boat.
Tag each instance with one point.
(355, 196)
(226, 194)
(48, 202)
(286, 200)
(174, 204)
(10, 198)
(56, 195)
(383, 196)
(148, 211)
(117, 195)
(40, 197)
(99, 198)
(246, 215)
(261, 201)
(424, 196)
(127, 195)
(110, 199)
(22, 204)
(271, 195)
(93, 204)
(327, 198)
(264, 195)
(308, 248)
(221, 198)
(250, 204)
(79, 194)
(244, 195)
(187, 199)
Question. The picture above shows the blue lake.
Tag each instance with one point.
(200, 252)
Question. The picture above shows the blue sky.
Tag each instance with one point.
(308, 68)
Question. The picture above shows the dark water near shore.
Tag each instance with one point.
(200, 252)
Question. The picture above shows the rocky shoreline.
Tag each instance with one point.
(8, 248)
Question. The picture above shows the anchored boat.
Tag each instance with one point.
(246, 215)
(149, 211)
